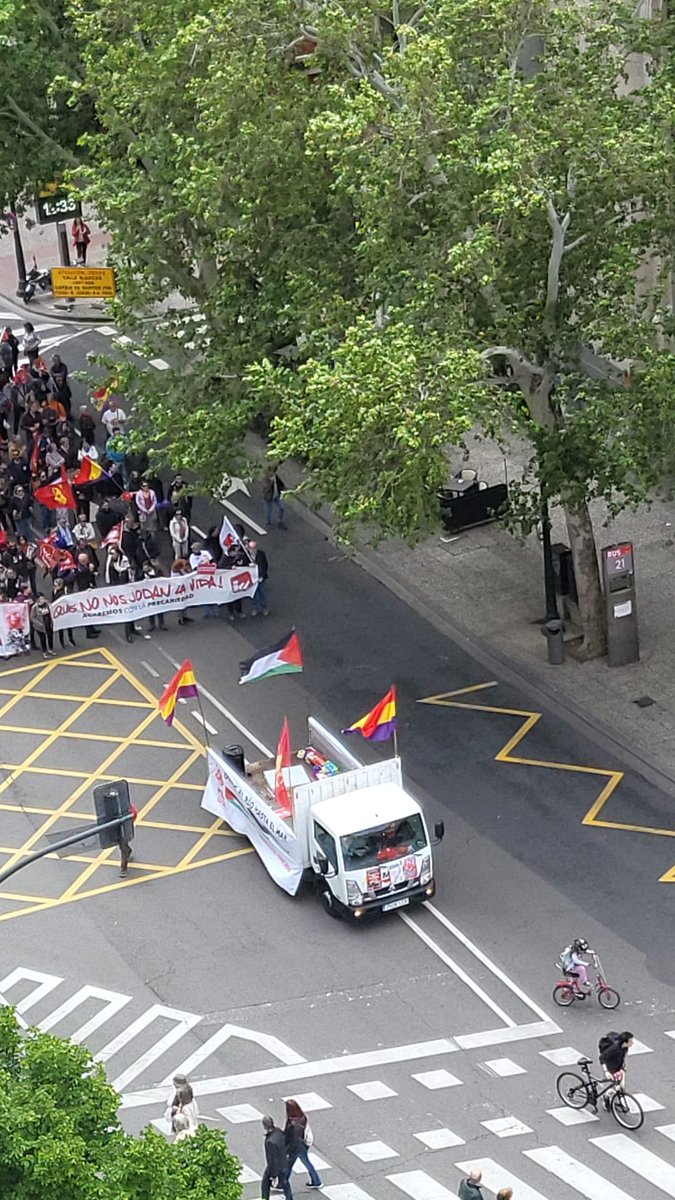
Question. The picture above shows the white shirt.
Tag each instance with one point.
(110, 419)
(179, 529)
(91, 453)
(84, 530)
(198, 558)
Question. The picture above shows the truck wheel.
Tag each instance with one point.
(329, 904)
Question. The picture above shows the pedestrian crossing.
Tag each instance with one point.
(401, 1128)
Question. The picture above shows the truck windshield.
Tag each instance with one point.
(371, 847)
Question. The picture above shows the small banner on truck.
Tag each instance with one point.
(228, 795)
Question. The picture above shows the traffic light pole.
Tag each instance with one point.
(83, 832)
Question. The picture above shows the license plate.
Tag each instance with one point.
(396, 904)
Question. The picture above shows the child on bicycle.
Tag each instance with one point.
(575, 966)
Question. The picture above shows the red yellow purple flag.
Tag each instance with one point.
(380, 723)
(182, 685)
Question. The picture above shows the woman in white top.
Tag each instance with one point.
(84, 530)
(182, 1102)
(179, 532)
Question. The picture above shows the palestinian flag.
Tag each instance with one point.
(283, 659)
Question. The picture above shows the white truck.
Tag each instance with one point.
(354, 833)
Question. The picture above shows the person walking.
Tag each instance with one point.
(273, 488)
(469, 1188)
(41, 622)
(9, 339)
(182, 1101)
(58, 592)
(505, 1193)
(31, 342)
(259, 604)
(299, 1137)
(276, 1161)
(81, 235)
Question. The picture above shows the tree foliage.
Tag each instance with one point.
(60, 1135)
(380, 224)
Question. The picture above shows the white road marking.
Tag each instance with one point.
(184, 1023)
(667, 1131)
(562, 1056)
(159, 364)
(107, 330)
(298, 1168)
(204, 723)
(374, 1089)
(503, 1037)
(487, 962)
(308, 1070)
(506, 1127)
(123, 340)
(46, 984)
(113, 1002)
(240, 1114)
(420, 1186)
(243, 517)
(309, 1101)
(437, 1079)
(149, 669)
(458, 971)
(226, 713)
(503, 1067)
(495, 1177)
(637, 1158)
(248, 1175)
(571, 1116)
(439, 1139)
(200, 532)
(575, 1174)
(273, 1045)
(345, 1191)
(372, 1151)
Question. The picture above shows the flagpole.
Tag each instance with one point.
(204, 725)
(395, 744)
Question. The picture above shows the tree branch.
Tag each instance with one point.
(558, 229)
(66, 155)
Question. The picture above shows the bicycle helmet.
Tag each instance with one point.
(580, 945)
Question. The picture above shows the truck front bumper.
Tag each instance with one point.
(384, 904)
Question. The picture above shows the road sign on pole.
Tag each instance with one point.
(84, 283)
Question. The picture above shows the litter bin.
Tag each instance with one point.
(234, 755)
(553, 632)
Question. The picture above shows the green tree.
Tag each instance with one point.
(60, 1135)
(511, 192)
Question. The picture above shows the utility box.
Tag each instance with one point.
(618, 579)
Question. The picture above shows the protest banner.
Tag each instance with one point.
(229, 795)
(14, 629)
(148, 597)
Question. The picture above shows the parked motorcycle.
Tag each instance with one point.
(36, 280)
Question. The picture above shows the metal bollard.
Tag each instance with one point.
(553, 632)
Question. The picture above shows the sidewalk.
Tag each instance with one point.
(41, 241)
(487, 586)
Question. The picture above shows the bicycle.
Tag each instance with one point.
(567, 990)
(576, 1092)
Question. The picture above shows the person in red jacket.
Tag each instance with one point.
(81, 235)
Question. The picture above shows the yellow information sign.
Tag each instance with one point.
(84, 283)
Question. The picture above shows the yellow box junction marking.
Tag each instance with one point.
(529, 720)
(32, 682)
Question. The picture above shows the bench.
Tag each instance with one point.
(477, 506)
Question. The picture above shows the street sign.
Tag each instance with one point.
(53, 204)
(84, 283)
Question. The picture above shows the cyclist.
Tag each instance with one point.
(613, 1049)
(577, 967)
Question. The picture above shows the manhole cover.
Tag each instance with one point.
(644, 702)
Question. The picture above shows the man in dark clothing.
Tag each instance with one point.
(85, 578)
(106, 519)
(259, 604)
(613, 1059)
(276, 1161)
(130, 544)
(469, 1188)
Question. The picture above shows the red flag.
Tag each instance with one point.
(114, 538)
(89, 472)
(282, 795)
(48, 554)
(35, 456)
(58, 494)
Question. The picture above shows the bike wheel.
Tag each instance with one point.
(608, 997)
(627, 1110)
(563, 995)
(572, 1089)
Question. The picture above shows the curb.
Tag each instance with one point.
(512, 672)
(55, 311)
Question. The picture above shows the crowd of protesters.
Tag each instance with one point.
(124, 521)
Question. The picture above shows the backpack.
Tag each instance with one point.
(566, 959)
(607, 1041)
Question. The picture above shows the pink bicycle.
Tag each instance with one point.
(567, 990)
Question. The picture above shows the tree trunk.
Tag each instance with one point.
(591, 601)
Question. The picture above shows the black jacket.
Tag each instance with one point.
(294, 1133)
(614, 1057)
(260, 561)
(469, 1191)
(275, 1152)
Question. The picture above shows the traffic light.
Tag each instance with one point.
(112, 800)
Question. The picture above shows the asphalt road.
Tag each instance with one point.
(219, 946)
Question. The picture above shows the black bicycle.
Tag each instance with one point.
(576, 1092)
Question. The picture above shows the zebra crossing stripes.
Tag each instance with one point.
(420, 1186)
(495, 1177)
(113, 1002)
(576, 1174)
(184, 1023)
(650, 1166)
